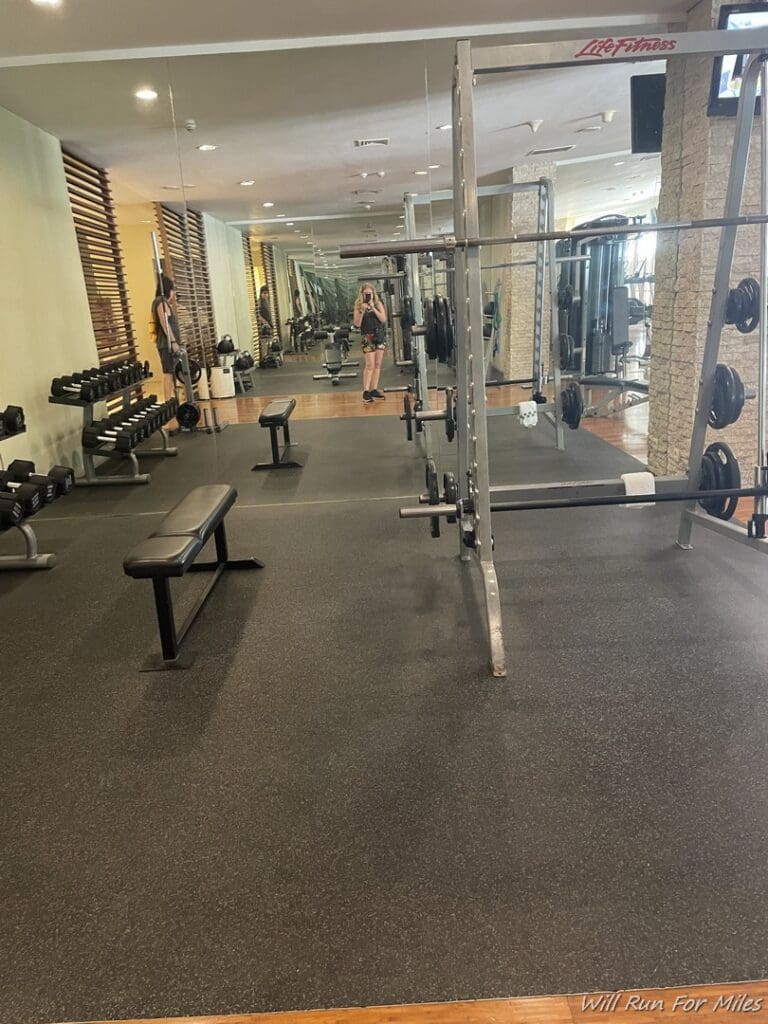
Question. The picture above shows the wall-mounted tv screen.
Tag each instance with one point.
(728, 70)
(647, 94)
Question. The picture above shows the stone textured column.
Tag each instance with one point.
(504, 215)
(695, 161)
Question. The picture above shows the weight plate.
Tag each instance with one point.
(408, 417)
(572, 405)
(430, 337)
(450, 415)
(188, 415)
(719, 471)
(450, 493)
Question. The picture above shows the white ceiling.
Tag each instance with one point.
(288, 118)
(96, 25)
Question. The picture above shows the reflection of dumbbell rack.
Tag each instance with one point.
(23, 497)
(91, 479)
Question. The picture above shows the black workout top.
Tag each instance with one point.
(370, 324)
(264, 312)
(163, 341)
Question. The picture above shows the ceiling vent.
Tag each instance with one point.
(371, 142)
(366, 191)
(552, 149)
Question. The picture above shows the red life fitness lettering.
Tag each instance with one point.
(610, 47)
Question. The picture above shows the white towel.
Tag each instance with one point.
(639, 483)
(528, 413)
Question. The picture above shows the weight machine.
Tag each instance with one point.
(709, 479)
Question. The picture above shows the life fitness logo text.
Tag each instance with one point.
(611, 47)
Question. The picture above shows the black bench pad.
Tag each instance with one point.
(277, 412)
(199, 513)
(162, 556)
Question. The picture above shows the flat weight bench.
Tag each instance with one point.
(171, 551)
(275, 416)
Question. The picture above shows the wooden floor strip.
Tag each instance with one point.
(702, 1004)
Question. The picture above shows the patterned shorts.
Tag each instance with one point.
(368, 343)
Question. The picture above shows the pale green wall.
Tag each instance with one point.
(226, 272)
(283, 289)
(45, 323)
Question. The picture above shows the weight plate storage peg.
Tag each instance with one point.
(572, 405)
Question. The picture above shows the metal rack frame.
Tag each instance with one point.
(91, 478)
(473, 479)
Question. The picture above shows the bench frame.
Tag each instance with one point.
(278, 461)
(172, 637)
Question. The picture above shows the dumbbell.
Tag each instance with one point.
(22, 471)
(99, 382)
(29, 495)
(124, 440)
(44, 486)
(11, 511)
(12, 420)
(123, 421)
(147, 409)
(61, 386)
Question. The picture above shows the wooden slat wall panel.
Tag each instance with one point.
(253, 297)
(93, 212)
(268, 262)
(182, 244)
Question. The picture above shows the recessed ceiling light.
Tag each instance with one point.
(47, 3)
(290, 224)
(145, 94)
(589, 128)
(297, 231)
(402, 216)
(281, 215)
(619, 163)
(443, 128)
(206, 148)
(434, 167)
(413, 195)
(420, 172)
(247, 184)
(267, 205)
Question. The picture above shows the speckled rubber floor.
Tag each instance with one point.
(336, 804)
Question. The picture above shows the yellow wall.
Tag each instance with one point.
(45, 322)
(135, 225)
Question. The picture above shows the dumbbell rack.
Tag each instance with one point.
(91, 478)
(31, 559)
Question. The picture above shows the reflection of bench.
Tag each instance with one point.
(171, 551)
(628, 392)
(276, 416)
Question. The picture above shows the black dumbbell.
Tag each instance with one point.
(61, 386)
(122, 421)
(29, 495)
(44, 486)
(11, 511)
(12, 419)
(99, 382)
(22, 471)
(124, 440)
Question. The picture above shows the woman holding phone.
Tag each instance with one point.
(371, 317)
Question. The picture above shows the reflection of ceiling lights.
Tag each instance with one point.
(145, 94)
(297, 231)
(267, 205)
(434, 167)
(281, 215)
(421, 172)
(247, 184)
(290, 224)
(206, 148)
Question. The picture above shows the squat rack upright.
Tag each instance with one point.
(474, 505)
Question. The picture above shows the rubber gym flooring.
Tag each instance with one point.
(336, 805)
